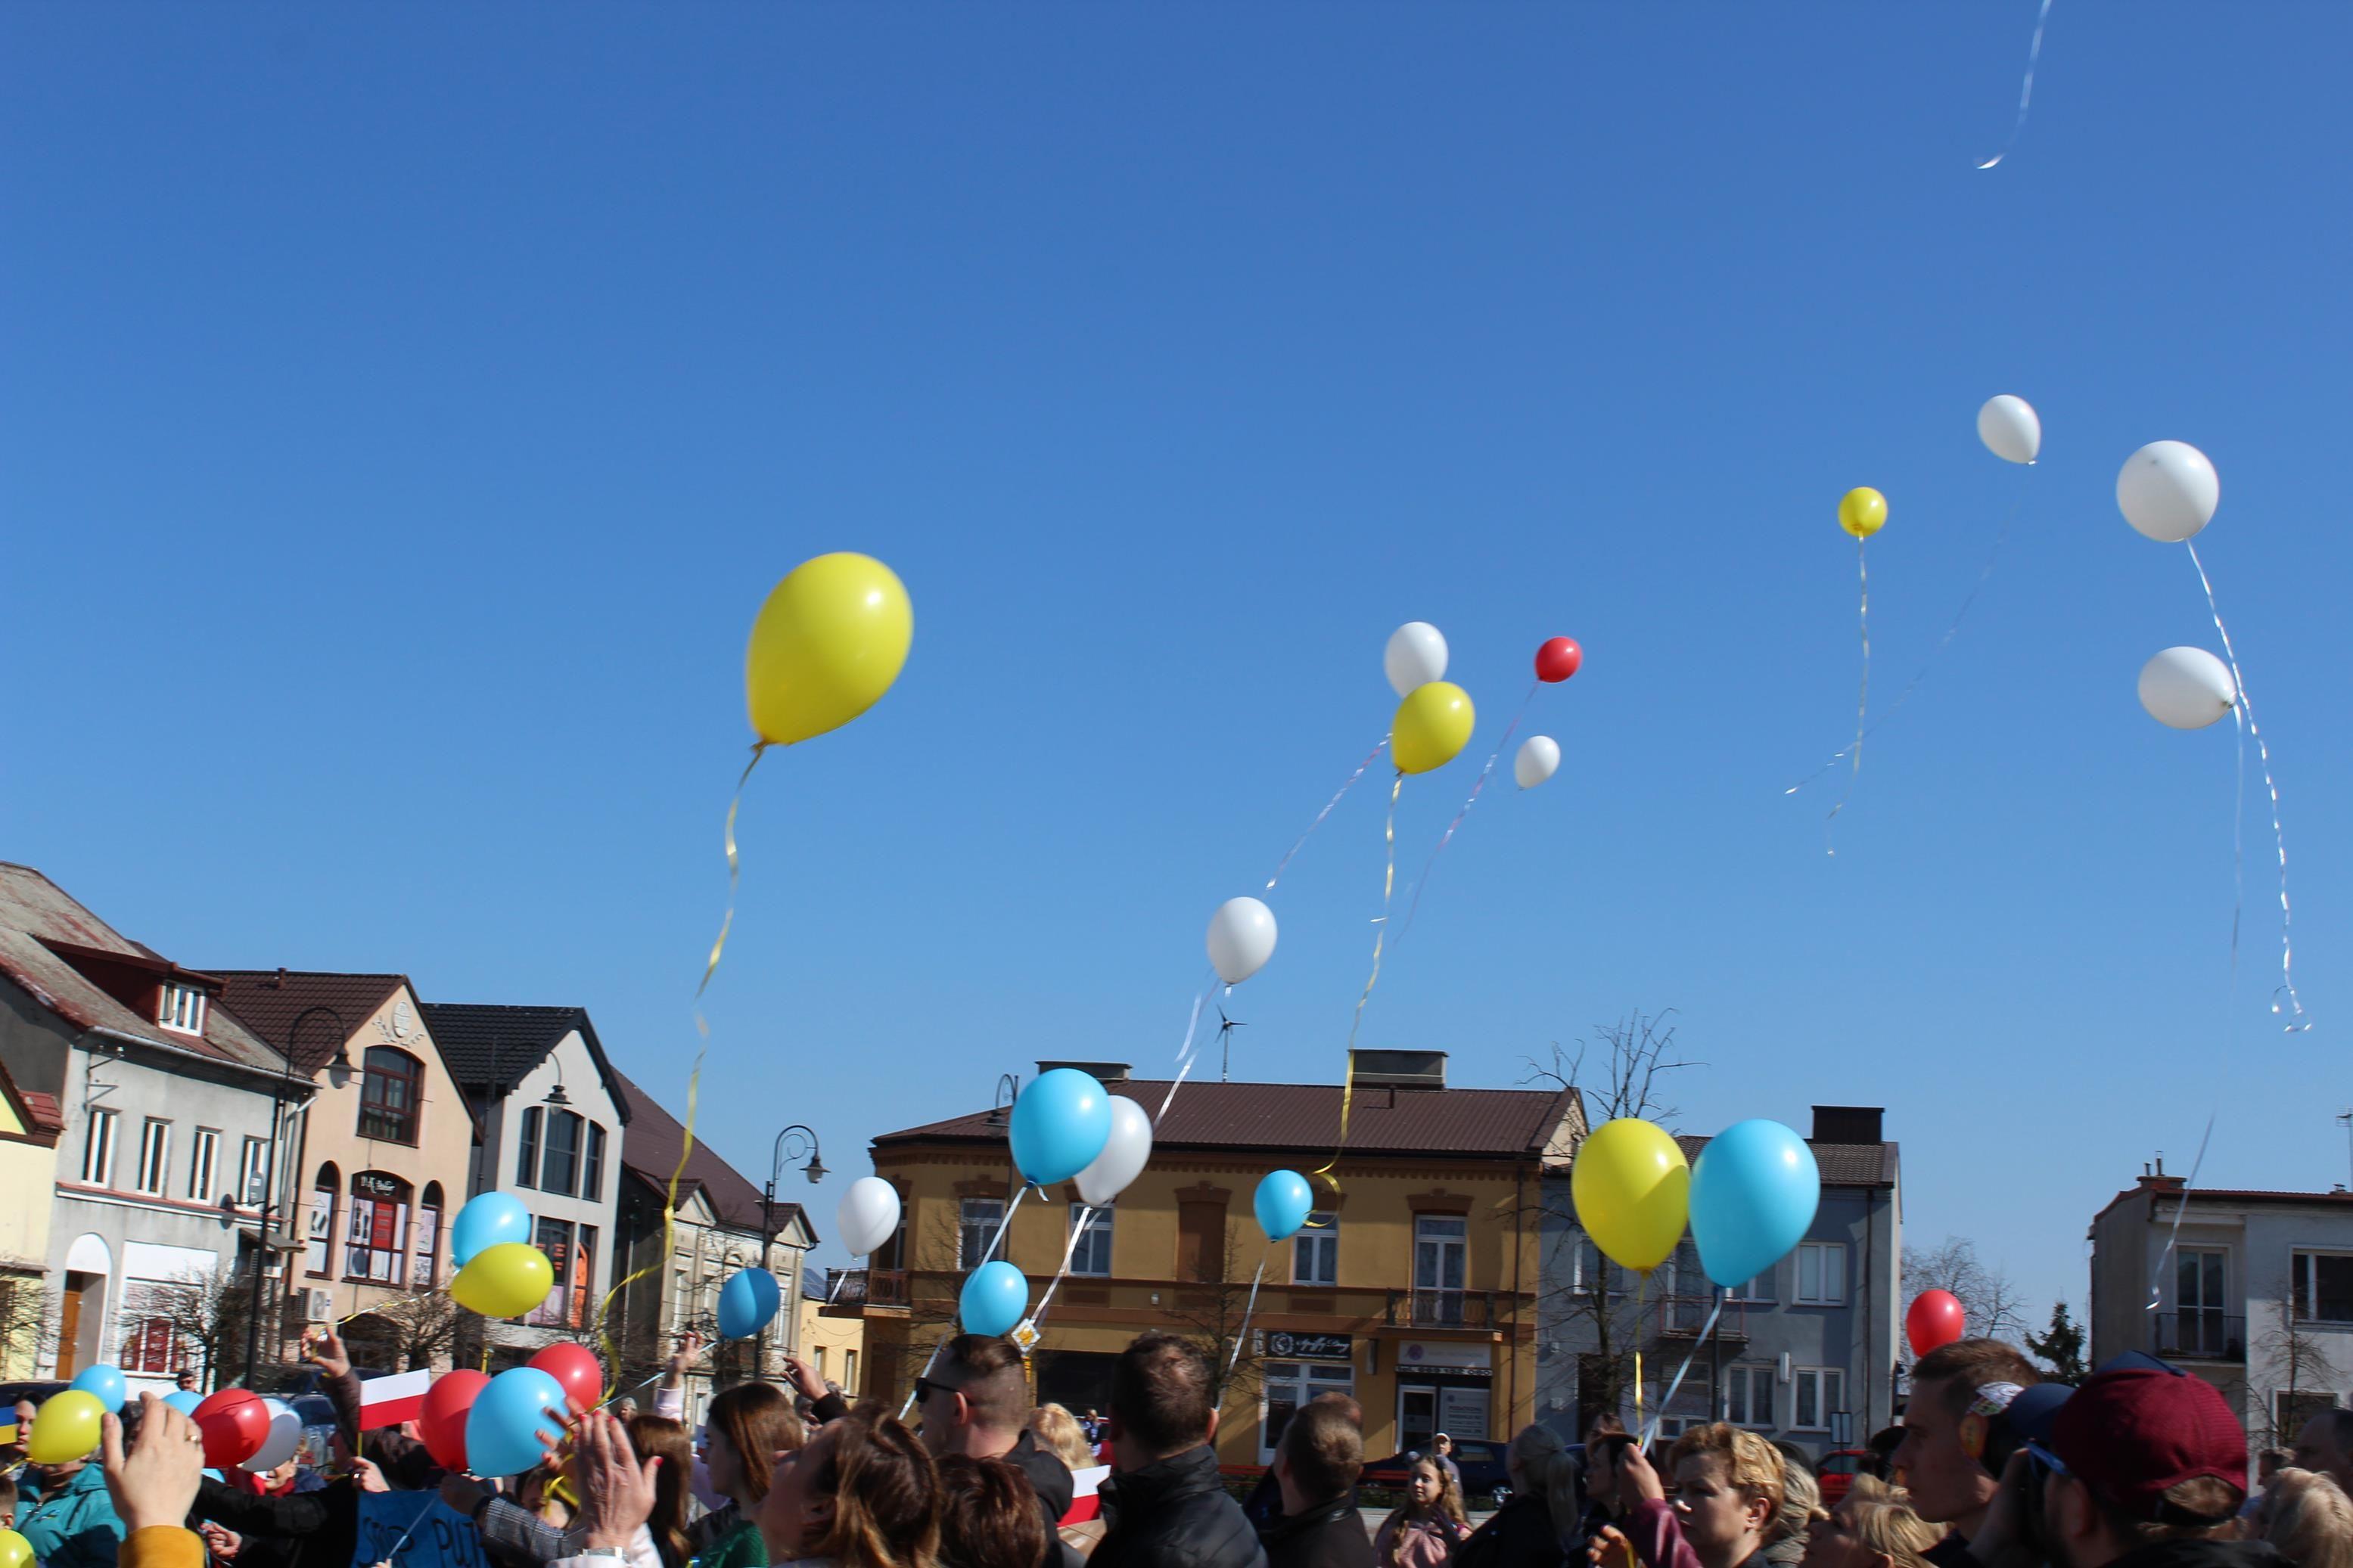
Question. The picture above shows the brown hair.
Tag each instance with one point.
(1965, 1365)
(1160, 1395)
(659, 1436)
(1885, 1522)
(1325, 1448)
(1752, 1464)
(886, 1495)
(988, 1515)
(1538, 1464)
(1059, 1431)
(986, 1369)
(758, 1422)
(2308, 1517)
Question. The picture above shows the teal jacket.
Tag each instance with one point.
(74, 1525)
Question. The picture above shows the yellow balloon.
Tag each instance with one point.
(1632, 1190)
(65, 1428)
(504, 1281)
(1863, 512)
(827, 644)
(15, 1552)
(1431, 725)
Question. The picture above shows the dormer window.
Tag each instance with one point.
(182, 1010)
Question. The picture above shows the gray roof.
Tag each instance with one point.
(491, 1046)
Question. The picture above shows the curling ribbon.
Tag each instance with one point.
(1069, 1250)
(1448, 836)
(1668, 1398)
(2026, 91)
(1348, 1084)
(1863, 694)
(1641, 1295)
(1248, 1309)
(2180, 1207)
(1348, 784)
(669, 1204)
(733, 874)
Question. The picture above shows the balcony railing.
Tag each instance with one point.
(2201, 1334)
(1440, 1309)
(853, 1289)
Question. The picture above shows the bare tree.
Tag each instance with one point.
(410, 1331)
(29, 1315)
(207, 1312)
(1991, 1307)
(2302, 1379)
(1214, 1311)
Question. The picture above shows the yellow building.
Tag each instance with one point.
(1415, 1292)
(834, 1345)
(28, 1159)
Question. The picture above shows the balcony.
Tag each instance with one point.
(2201, 1334)
(1443, 1309)
(852, 1290)
(1685, 1317)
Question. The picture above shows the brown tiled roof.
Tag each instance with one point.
(269, 1000)
(1459, 1123)
(35, 1112)
(40, 924)
(649, 1146)
(1841, 1164)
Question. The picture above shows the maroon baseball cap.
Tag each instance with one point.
(2139, 1425)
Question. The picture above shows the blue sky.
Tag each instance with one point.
(407, 410)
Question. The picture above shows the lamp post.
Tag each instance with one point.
(789, 1144)
(339, 1072)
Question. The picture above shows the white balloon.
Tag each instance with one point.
(285, 1436)
(2167, 490)
(2010, 428)
(1416, 655)
(1242, 939)
(869, 1215)
(1124, 1153)
(2187, 688)
(1539, 755)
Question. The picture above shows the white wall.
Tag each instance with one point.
(571, 1065)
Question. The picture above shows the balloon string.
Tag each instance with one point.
(1069, 1250)
(1861, 697)
(2180, 1207)
(1668, 1398)
(1448, 836)
(733, 874)
(1320, 816)
(2026, 91)
(1248, 1310)
(2293, 1004)
(1641, 1305)
(1019, 1194)
(670, 1208)
(1187, 1052)
(1389, 888)
(1992, 556)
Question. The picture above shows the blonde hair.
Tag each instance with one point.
(1885, 1523)
(1539, 1464)
(1750, 1463)
(1801, 1504)
(2309, 1517)
(1060, 1432)
(1449, 1506)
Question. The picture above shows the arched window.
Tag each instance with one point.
(388, 1095)
(319, 1259)
(427, 1235)
(376, 1242)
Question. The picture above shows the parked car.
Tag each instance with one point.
(1837, 1471)
(1484, 1476)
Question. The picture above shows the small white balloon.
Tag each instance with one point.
(1416, 655)
(2167, 490)
(2187, 688)
(1242, 939)
(1124, 1153)
(2010, 428)
(285, 1436)
(1538, 756)
(868, 1214)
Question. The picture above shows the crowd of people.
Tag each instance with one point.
(2142, 1466)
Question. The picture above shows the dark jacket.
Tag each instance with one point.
(1517, 1535)
(2203, 1555)
(1327, 1535)
(296, 1529)
(1175, 1513)
(1050, 1479)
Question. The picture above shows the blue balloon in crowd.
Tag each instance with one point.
(746, 1303)
(186, 1403)
(1753, 1196)
(1283, 1202)
(503, 1429)
(994, 1297)
(215, 1476)
(1061, 1123)
(487, 1220)
(104, 1380)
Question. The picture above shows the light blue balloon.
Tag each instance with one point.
(487, 1219)
(746, 1303)
(1060, 1124)
(1753, 1196)
(994, 1297)
(104, 1380)
(503, 1427)
(215, 1476)
(182, 1401)
(1283, 1202)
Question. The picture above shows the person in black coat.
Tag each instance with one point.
(1165, 1506)
(1316, 1463)
(974, 1401)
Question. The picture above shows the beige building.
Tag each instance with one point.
(834, 1347)
(382, 1153)
(28, 1158)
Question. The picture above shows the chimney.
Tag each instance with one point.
(1848, 1124)
(281, 977)
(1394, 1070)
(1102, 1072)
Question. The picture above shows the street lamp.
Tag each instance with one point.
(789, 1144)
(289, 1244)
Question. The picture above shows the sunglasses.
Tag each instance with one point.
(925, 1388)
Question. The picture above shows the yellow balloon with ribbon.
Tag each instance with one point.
(1432, 725)
(828, 642)
(1863, 512)
(15, 1552)
(66, 1427)
(1631, 1187)
(504, 1281)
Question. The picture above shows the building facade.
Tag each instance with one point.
(551, 1113)
(29, 1126)
(383, 1153)
(1414, 1290)
(833, 1344)
(2251, 1290)
(1805, 1353)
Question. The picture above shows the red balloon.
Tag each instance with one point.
(577, 1371)
(1935, 1319)
(441, 1419)
(234, 1424)
(1558, 659)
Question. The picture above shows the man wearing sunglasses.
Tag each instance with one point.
(975, 1402)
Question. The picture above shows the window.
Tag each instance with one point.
(98, 1152)
(1594, 1272)
(181, 1009)
(319, 1258)
(1758, 1289)
(1092, 1255)
(153, 1346)
(1748, 1396)
(253, 1171)
(1201, 1240)
(554, 1238)
(977, 1220)
(376, 1242)
(388, 1095)
(1290, 1384)
(2324, 1287)
(205, 1165)
(1821, 1274)
(1441, 1246)
(584, 1278)
(155, 1155)
(1821, 1394)
(849, 1374)
(427, 1233)
(527, 1149)
(1316, 1250)
(592, 1173)
(559, 1168)
(820, 1363)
